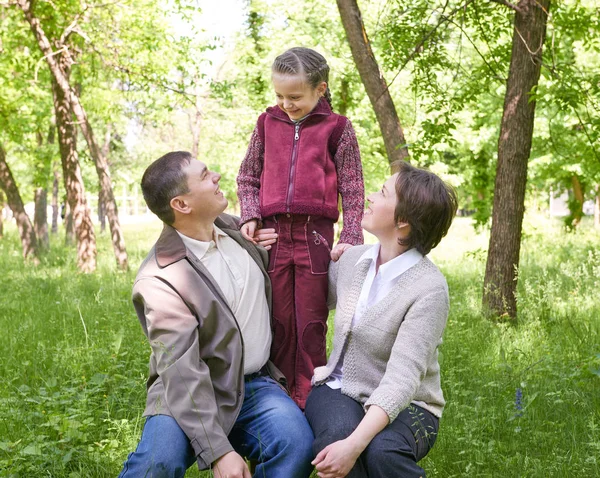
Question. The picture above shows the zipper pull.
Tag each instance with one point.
(297, 135)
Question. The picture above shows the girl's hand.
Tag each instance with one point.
(336, 460)
(248, 230)
(265, 237)
(338, 250)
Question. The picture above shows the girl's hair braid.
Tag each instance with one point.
(307, 62)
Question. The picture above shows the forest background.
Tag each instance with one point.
(115, 85)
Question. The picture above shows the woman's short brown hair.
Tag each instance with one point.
(426, 203)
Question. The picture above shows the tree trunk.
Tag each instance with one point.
(26, 231)
(40, 218)
(54, 228)
(69, 229)
(100, 160)
(101, 214)
(373, 79)
(577, 205)
(514, 147)
(344, 96)
(78, 220)
(597, 209)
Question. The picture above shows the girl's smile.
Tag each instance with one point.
(295, 96)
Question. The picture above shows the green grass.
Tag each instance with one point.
(75, 361)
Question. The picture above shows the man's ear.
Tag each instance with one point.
(180, 205)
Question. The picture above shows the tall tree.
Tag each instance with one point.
(78, 217)
(373, 80)
(100, 161)
(54, 228)
(40, 217)
(26, 231)
(514, 147)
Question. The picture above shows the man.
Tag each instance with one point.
(203, 296)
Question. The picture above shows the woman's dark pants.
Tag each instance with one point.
(393, 453)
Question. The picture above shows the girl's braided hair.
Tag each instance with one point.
(307, 62)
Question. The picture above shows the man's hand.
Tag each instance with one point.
(336, 460)
(265, 237)
(231, 465)
(338, 250)
(248, 229)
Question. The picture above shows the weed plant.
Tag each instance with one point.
(522, 398)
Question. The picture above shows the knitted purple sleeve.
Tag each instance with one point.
(248, 179)
(350, 185)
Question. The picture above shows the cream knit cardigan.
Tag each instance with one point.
(391, 356)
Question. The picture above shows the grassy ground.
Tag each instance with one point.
(75, 362)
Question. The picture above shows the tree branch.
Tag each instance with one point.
(419, 48)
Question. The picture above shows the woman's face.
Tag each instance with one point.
(379, 215)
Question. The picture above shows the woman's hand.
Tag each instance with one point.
(338, 250)
(336, 460)
(265, 238)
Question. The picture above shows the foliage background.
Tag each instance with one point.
(74, 370)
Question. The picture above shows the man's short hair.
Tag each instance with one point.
(426, 203)
(163, 180)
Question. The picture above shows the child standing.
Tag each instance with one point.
(301, 156)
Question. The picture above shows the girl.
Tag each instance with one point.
(376, 405)
(300, 158)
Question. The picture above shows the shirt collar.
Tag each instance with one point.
(200, 248)
(394, 268)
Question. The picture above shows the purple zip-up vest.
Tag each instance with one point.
(299, 173)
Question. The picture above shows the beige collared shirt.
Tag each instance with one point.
(243, 287)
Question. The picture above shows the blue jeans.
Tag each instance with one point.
(270, 429)
(394, 451)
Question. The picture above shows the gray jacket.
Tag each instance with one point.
(391, 356)
(196, 370)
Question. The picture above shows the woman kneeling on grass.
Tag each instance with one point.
(375, 406)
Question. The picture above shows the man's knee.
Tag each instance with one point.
(164, 451)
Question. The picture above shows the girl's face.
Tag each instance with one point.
(379, 216)
(295, 96)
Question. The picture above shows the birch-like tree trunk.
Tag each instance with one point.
(78, 220)
(54, 227)
(13, 197)
(40, 218)
(100, 161)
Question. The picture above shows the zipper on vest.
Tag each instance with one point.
(292, 167)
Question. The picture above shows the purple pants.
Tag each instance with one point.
(298, 265)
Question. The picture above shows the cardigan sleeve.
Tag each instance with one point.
(350, 186)
(418, 338)
(248, 179)
(333, 275)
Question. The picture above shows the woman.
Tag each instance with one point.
(375, 406)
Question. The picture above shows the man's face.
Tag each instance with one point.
(204, 197)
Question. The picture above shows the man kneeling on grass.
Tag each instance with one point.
(203, 297)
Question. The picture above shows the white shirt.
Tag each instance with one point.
(243, 286)
(377, 285)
